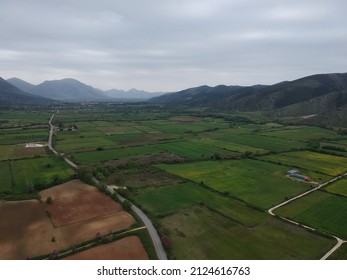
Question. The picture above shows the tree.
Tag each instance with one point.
(49, 200)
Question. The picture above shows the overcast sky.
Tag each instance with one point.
(169, 45)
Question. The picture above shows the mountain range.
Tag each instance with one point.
(316, 94)
(75, 91)
(13, 96)
(324, 95)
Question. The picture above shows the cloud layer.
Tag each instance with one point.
(173, 44)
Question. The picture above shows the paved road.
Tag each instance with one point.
(339, 241)
(51, 136)
(152, 231)
(50, 146)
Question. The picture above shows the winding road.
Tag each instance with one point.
(339, 240)
(148, 224)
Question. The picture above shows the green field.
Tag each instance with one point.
(231, 146)
(6, 178)
(114, 154)
(259, 183)
(39, 171)
(303, 133)
(168, 199)
(84, 144)
(265, 142)
(340, 254)
(198, 233)
(6, 151)
(323, 211)
(328, 164)
(14, 136)
(186, 127)
(194, 150)
(339, 187)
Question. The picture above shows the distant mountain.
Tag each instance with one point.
(23, 85)
(308, 95)
(73, 90)
(131, 94)
(68, 90)
(13, 96)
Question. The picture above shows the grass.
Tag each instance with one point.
(39, 171)
(303, 133)
(265, 142)
(339, 187)
(84, 144)
(6, 178)
(328, 164)
(259, 183)
(323, 211)
(340, 254)
(231, 146)
(194, 150)
(169, 199)
(114, 154)
(198, 233)
(6, 151)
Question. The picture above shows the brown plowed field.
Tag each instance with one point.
(27, 231)
(76, 201)
(128, 248)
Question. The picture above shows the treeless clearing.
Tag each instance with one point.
(27, 231)
(128, 248)
(76, 201)
(21, 151)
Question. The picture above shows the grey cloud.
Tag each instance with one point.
(171, 45)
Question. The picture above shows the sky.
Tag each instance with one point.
(171, 45)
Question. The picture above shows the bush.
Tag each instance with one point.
(49, 200)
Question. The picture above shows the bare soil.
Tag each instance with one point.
(26, 230)
(128, 248)
(76, 201)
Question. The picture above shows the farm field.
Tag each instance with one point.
(265, 142)
(205, 178)
(113, 154)
(302, 133)
(20, 151)
(327, 164)
(258, 183)
(25, 224)
(225, 239)
(166, 200)
(40, 171)
(340, 254)
(70, 200)
(194, 150)
(128, 248)
(339, 187)
(231, 146)
(6, 177)
(84, 144)
(323, 211)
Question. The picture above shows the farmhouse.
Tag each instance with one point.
(292, 172)
(296, 175)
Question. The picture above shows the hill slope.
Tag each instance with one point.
(68, 90)
(289, 95)
(13, 96)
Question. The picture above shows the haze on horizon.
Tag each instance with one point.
(171, 45)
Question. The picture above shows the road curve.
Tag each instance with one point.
(339, 240)
(152, 231)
